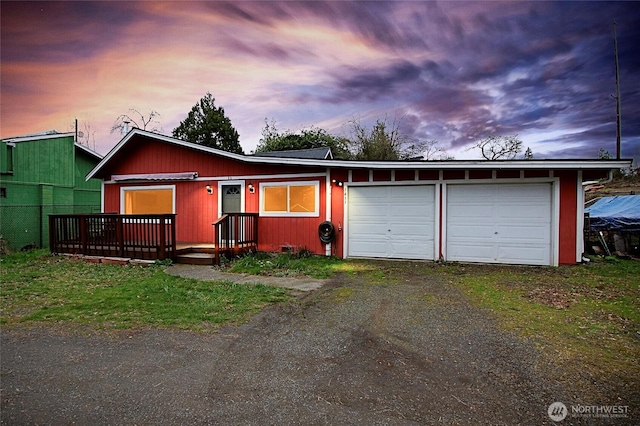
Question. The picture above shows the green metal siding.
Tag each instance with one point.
(83, 165)
(43, 161)
(49, 177)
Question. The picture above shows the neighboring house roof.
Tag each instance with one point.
(47, 134)
(52, 134)
(322, 153)
(575, 164)
(88, 150)
(619, 213)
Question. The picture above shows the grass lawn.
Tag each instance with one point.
(37, 287)
(585, 318)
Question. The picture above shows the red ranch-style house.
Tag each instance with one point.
(514, 212)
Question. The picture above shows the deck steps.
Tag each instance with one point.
(193, 258)
(204, 254)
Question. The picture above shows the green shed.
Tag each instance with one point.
(42, 174)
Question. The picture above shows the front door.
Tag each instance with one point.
(231, 203)
(231, 199)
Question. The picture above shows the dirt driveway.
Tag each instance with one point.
(350, 353)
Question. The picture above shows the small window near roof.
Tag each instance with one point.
(290, 199)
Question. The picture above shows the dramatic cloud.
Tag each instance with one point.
(453, 72)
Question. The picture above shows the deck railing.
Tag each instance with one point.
(235, 233)
(137, 236)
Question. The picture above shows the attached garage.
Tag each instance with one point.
(499, 223)
(391, 221)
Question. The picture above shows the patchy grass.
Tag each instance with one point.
(38, 287)
(586, 317)
(287, 265)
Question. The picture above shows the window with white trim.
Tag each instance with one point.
(147, 199)
(290, 199)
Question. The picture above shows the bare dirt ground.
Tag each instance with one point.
(351, 353)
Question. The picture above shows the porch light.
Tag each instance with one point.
(209, 190)
(337, 182)
(252, 188)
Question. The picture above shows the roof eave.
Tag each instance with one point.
(578, 164)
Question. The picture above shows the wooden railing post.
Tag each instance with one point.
(163, 238)
(173, 237)
(120, 235)
(255, 231)
(83, 233)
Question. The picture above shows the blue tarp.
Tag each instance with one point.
(621, 213)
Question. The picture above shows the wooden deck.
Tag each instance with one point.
(150, 237)
(128, 236)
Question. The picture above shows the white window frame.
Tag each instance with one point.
(123, 189)
(315, 213)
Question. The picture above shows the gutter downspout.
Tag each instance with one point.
(327, 183)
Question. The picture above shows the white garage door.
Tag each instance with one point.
(392, 221)
(499, 223)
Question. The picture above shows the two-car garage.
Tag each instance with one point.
(485, 222)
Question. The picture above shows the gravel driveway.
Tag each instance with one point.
(349, 353)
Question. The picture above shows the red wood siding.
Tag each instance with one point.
(381, 175)
(568, 212)
(360, 175)
(404, 175)
(296, 232)
(337, 211)
(480, 174)
(150, 156)
(196, 210)
(536, 173)
(507, 174)
(453, 174)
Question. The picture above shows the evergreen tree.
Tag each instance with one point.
(207, 125)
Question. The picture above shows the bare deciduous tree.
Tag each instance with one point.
(134, 118)
(499, 147)
(87, 136)
(383, 142)
(428, 150)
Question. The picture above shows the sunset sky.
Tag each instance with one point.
(450, 71)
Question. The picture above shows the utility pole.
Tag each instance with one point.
(617, 96)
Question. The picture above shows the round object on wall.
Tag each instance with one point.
(327, 232)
